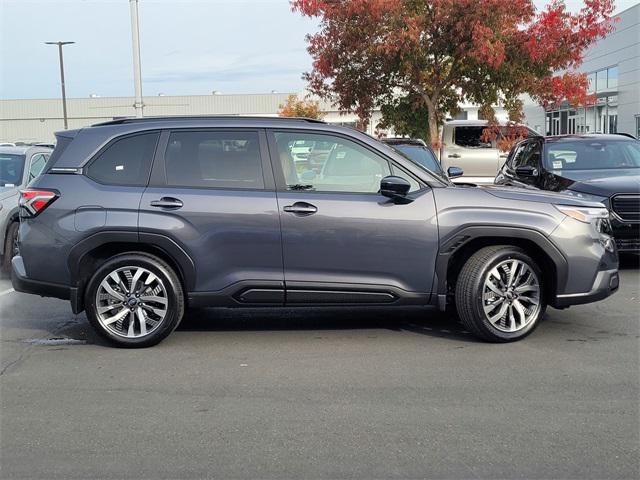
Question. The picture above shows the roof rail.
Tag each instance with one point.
(125, 120)
(626, 135)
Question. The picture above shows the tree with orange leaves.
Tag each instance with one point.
(300, 108)
(435, 54)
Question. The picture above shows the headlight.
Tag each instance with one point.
(585, 214)
(587, 196)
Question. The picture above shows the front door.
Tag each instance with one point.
(342, 241)
(212, 193)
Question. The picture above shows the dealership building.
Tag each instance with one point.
(612, 66)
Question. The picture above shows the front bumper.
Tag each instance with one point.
(606, 283)
(22, 283)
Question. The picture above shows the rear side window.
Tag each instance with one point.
(37, 165)
(214, 159)
(470, 137)
(126, 161)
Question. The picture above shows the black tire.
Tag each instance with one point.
(174, 294)
(9, 245)
(469, 292)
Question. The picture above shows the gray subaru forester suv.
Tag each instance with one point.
(135, 220)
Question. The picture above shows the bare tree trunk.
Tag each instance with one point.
(434, 138)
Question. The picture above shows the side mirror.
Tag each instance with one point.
(454, 172)
(526, 171)
(395, 188)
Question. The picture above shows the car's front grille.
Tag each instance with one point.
(627, 207)
(628, 244)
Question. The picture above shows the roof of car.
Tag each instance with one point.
(588, 136)
(200, 118)
(22, 149)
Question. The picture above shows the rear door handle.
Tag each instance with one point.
(301, 208)
(453, 155)
(167, 202)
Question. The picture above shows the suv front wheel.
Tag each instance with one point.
(134, 300)
(499, 294)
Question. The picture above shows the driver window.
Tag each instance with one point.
(328, 163)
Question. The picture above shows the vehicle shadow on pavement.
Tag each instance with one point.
(422, 320)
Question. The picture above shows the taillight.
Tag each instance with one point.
(32, 202)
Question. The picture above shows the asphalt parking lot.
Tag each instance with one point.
(366, 393)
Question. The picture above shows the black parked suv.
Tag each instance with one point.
(599, 168)
(136, 219)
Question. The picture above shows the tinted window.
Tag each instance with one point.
(592, 154)
(528, 154)
(127, 161)
(470, 137)
(341, 166)
(214, 159)
(420, 155)
(11, 169)
(38, 162)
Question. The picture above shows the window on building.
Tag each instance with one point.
(214, 159)
(127, 161)
(601, 80)
(612, 77)
(591, 78)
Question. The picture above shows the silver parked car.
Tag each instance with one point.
(462, 147)
(18, 166)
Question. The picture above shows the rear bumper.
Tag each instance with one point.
(24, 284)
(605, 284)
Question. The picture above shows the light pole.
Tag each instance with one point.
(137, 76)
(64, 95)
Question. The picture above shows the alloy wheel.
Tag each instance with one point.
(511, 296)
(131, 302)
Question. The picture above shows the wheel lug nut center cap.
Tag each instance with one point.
(132, 302)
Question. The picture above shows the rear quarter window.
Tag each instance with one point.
(126, 161)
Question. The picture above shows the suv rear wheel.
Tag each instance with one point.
(134, 300)
(499, 294)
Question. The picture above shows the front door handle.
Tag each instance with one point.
(301, 208)
(167, 202)
(453, 155)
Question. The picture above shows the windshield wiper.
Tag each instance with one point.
(299, 186)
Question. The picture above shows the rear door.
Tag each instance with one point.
(477, 159)
(343, 242)
(212, 193)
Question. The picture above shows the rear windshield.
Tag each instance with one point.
(592, 155)
(11, 167)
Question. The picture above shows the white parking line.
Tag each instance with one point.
(6, 292)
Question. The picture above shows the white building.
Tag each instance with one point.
(37, 120)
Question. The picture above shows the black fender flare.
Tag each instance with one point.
(158, 241)
(459, 238)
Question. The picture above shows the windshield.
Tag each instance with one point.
(11, 170)
(422, 156)
(592, 155)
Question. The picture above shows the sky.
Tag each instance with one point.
(188, 47)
